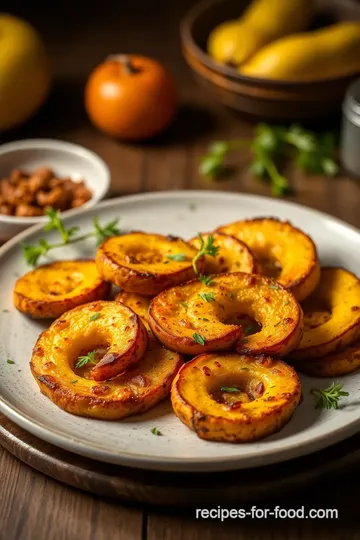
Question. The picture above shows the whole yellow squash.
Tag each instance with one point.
(25, 74)
(329, 52)
(234, 41)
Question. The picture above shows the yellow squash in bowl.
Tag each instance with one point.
(323, 54)
(233, 42)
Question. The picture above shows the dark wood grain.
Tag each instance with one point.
(33, 507)
(183, 490)
(36, 507)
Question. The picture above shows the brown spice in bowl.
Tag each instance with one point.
(25, 194)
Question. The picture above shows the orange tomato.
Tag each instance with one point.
(130, 97)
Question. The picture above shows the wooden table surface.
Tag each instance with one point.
(33, 507)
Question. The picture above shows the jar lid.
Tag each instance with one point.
(352, 99)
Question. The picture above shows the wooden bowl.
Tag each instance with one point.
(262, 98)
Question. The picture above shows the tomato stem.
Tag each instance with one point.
(125, 61)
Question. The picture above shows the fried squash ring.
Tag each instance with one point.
(145, 263)
(52, 289)
(192, 318)
(332, 315)
(110, 326)
(284, 252)
(333, 365)
(135, 391)
(137, 302)
(204, 397)
(233, 255)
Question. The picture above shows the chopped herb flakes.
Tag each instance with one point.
(207, 297)
(229, 389)
(206, 280)
(155, 431)
(94, 317)
(10, 361)
(199, 339)
(177, 257)
(184, 304)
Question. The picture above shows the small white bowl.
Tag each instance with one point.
(66, 159)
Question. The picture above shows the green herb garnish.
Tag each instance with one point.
(74, 381)
(94, 317)
(207, 297)
(244, 369)
(33, 252)
(206, 248)
(329, 397)
(155, 431)
(184, 304)
(10, 361)
(247, 330)
(313, 153)
(275, 287)
(177, 257)
(87, 359)
(206, 280)
(277, 324)
(230, 295)
(199, 339)
(229, 389)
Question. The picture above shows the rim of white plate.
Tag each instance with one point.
(163, 462)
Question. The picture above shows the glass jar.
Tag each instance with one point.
(350, 130)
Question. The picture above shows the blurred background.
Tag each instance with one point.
(79, 36)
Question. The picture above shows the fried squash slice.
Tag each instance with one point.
(284, 252)
(135, 391)
(235, 398)
(146, 264)
(333, 365)
(232, 256)
(332, 315)
(52, 289)
(109, 327)
(193, 318)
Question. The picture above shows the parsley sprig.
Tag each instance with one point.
(313, 153)
(88, 358)
(328, 398)
(206, 248)
(207, 297)
(33, 252)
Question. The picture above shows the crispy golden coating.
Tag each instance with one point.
(284, 252)
(193, 318)
(233, 255)
(235, 398)
(52, 289)
(333, 365)
(145, 263)
(133, 392)
(332, 315)
(108, 326)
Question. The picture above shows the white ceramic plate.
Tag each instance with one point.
(131, 442)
